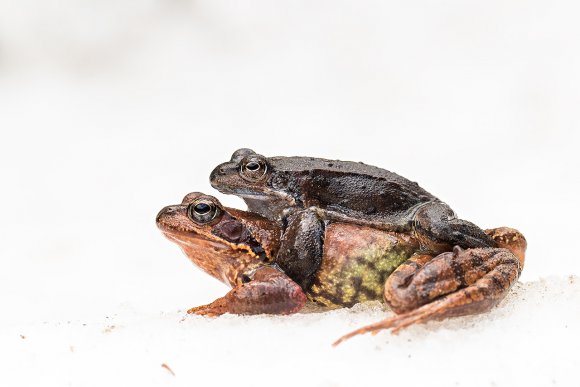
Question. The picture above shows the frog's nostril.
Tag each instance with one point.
(169, 210)
(217, 172)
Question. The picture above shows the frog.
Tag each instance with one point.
(418, 278)
(301, 193)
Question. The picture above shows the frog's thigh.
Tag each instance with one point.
(451, 284)
(486, 273)
(438, 221)
(301, 247)
(400, 290)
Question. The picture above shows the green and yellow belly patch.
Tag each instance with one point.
(356, 262)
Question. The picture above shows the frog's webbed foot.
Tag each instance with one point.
(270, 292)
(439, 223)
(452, 284)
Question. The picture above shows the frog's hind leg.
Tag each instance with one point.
(511, 239)
(452, 284)
(414, 284)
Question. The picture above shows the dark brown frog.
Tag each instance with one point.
(301, 193)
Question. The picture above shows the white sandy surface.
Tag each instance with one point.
(527, 338)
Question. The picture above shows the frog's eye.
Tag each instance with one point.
(253, 168)
(202, 211)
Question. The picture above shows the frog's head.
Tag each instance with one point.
(246, 174)
(226, 243)
(252, 177)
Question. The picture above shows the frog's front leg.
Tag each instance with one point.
(270, 291)
(438, 222)
(301, 246)
(452, 284)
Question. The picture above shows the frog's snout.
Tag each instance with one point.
(221, 176)
(220, 170)
(166, 212)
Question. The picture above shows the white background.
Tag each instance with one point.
(110, 110)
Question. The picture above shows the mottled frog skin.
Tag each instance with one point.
(356, 262)
(304, 194)
(356, 190)
(418, 278)
(341, 191)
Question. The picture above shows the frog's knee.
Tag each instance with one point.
(511, 239)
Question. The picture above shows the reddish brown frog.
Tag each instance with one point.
(420, 279)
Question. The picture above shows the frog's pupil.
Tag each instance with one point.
(253, 166)
(202, 208)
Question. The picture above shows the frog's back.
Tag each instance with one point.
(356, 262)
(356, 190)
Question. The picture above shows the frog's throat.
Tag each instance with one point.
(222, 260)
(266, 194)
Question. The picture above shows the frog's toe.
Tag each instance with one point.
(204, 310)
(395, 324)
(196, 310)
(372, 328)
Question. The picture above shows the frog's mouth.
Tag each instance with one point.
(192, 239)
(268, 198)
(225, 178)
(221, 260)
(258, 193)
